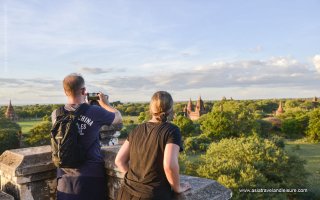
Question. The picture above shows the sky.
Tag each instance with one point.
(244, 49)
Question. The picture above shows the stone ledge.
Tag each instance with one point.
(202, 189)
(5, 196)
(26, 161)
(30, 174)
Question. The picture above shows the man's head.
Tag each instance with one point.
(73, 85)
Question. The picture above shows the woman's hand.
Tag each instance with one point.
(184, 187)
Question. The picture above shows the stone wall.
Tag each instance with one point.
(29, 174)
(5, 196)
(202, 189)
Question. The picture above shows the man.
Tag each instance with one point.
(88, 180)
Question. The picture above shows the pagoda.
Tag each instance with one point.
(194, 113)
(315, 99)
(10, 114)
(280, 109)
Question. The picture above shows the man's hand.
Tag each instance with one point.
(103, 99)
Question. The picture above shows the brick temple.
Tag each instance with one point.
(10, 114)
(194, 113)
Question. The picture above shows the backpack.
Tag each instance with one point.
(67, 152)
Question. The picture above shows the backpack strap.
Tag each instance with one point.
(60, 111)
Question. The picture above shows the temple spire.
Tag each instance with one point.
(280, 109)
(10, 114)
(190, 106)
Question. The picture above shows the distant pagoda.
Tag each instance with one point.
(199, 110)
(315, 99)
(10, 114)
(280, 109)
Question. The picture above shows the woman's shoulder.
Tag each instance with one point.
(171, 125)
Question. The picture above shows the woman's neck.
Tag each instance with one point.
(154, 120)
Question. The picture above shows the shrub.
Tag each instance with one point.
(126, 130)
(40, 134)
(9, 135)
(290, 127)
(225, 124)
(185, 125)
(253, 163)
(263, 128)
(313, 131)
(197, 144)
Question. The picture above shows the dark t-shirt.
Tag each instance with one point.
(146, 177)
(90, 123)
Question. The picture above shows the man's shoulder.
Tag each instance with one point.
(96, 109)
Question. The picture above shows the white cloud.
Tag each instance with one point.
(275, 72)
(316, 62)
(256, 49)
(94, 70)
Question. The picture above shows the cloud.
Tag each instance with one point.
(256, 49)
(95, 70)
(31, 85)
(274, 72)
(316, 62)
(132, 82)
(98, 70)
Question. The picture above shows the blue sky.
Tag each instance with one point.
(130, 49)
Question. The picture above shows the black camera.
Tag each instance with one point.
(93, 98)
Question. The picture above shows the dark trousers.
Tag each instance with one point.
(81, 188)
(123, 194)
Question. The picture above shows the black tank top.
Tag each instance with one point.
(146, 177)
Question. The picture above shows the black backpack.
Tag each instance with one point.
(67, 152)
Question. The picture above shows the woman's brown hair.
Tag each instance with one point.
(161, 105)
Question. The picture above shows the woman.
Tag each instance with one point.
(152, 149)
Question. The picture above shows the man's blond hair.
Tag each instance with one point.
(72, 84)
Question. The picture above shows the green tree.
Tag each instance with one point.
(141, 117)
(40, 134)
(313, 131)
(46, 118)
(268, 106)
(35, 111)
(218, 125)
(307, 105)
(263, 128)
(2, 111)
(197, 144)
(126, 130)
(233, 121)
(131, 110)
(9, 134)
(292, 128)
(253, 163)
(185, 124)
(291, 104)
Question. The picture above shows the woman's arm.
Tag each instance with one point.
(171, 168)
(123, 157)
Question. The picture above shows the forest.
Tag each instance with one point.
(242, 144)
